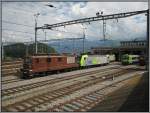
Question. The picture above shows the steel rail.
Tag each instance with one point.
(18, 89)
(65, 91)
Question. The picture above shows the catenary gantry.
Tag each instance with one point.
(98, 18)
(90, 19)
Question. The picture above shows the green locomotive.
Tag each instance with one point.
(129, 59)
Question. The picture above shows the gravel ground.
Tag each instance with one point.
(9, 78)
(134, 96)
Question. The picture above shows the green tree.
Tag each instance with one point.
(20, 50)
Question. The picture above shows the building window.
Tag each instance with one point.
(48, 59)
(59, 59)
(129, 44)
(139, 43)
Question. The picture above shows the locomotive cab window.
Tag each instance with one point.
(48, 59)
(59, 59)
(37, 60)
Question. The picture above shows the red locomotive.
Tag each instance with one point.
(42, 64)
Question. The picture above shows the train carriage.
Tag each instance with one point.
(129, 59)
(111, 57)
(43, 64)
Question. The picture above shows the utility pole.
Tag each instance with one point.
(73, 46)
(104, 24)
(84, 40)
(36, 28)
(104, 29)
(45, 35)
(147, 51)
(45, 44)
(2, 49)
(27, 49)
(36, 16)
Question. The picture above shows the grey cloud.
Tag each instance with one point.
(20, 12)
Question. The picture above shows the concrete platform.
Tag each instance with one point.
(132, 97)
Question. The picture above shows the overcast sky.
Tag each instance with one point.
(18, 20)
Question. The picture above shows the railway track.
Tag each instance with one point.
(11, 68)
(30, 104)
(82, 103)
(27, 87)
(11, 81)
(11, 62)
(16, 80)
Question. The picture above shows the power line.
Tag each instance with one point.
(17, 34)
(66, 32)
(19, 31)
(72, 33)
(16, 23)
(41, 34)
(10, 37)
(20, 10)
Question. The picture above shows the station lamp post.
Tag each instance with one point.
(147, 44)
(84, 40)
(83, 37)
(36, 17)
(2, 49)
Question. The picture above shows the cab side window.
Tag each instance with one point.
(48, 60)
(59, 59)
(37, 60)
